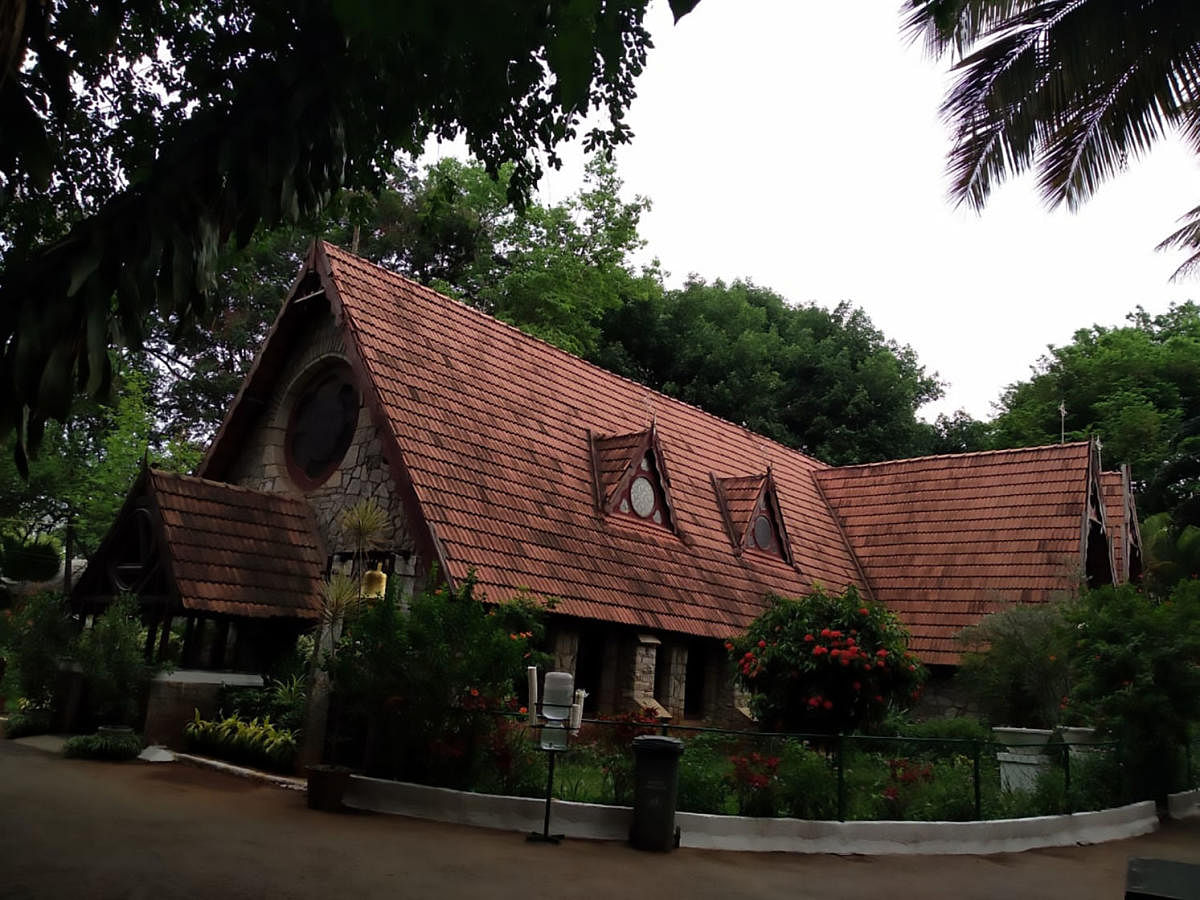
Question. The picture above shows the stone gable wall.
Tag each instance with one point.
(363, 472)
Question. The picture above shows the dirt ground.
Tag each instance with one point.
(79, 829)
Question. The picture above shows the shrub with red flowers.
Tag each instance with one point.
(754, 779)
(825, 663)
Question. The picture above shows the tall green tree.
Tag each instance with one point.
(1134, 386)
(140, 136)
(824, 381)
(1069, 88)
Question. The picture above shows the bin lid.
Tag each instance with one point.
(653, 743)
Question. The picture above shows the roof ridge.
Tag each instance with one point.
(1004, 451)
(183, 476)
(821, 464)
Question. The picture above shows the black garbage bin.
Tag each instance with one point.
(655, 791)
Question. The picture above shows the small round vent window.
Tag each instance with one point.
(763, 532)
(321, 426)
(641, 495)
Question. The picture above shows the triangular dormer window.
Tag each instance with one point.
(631, 477)
(750, 506)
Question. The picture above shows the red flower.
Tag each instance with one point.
(762, 644)
(809, 638)
(857, 685)
(863, 611)
(828, 704)
(729, 645)
(825, 632)
(881, 653)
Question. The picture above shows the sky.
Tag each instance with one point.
(798, 144)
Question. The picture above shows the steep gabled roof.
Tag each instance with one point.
(223, 549)
(945, 540)
(494, 431)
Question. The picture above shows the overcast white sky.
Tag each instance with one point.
(798, 144)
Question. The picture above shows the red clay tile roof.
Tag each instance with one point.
(945, 540)
(237, 551)
(493, 429)
(1113, 486)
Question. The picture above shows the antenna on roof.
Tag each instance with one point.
(1062, 421)
(649, 401)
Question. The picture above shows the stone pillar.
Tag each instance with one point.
(638, 687)
(566, 649)
(672, 678)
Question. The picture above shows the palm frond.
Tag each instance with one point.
(1186, 237)
(340, 600)
(363, 524)
(1074, 87)
(955, 25)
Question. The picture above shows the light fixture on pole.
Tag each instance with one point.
(562, 708)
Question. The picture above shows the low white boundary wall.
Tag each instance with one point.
(1184, 805)
(585, 820)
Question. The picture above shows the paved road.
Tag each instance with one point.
(77, 829)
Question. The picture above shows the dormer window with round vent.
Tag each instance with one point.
(321, 426)
(644, 498)
(631, 479)
(750, 506)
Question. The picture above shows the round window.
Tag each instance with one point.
(641, 495)
(762, 532)
(321, 426)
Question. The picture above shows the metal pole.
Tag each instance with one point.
(1066, 752)
(978, 791)
(841, 776)
(545, 837)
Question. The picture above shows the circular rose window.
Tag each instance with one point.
(641, 495)
(763, 532)
(321, 426)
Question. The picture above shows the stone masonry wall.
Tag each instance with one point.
(363, 471)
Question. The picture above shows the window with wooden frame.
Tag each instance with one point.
(752, 514)
(631, 478)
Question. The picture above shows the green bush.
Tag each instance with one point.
(36, 560)
(114, 666)
(1016, 666)
(256, 742)
(1136, 668)
(807, 783)
(283, 701)
(825, 663)
(39, 635)
(423, 687)
(703, 776)
(112, 747)
(23, 724)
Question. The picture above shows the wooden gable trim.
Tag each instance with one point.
(868, 588)
(1093, 512)
(771, 492)
(429, 547)
(608, 496)
(254, 394)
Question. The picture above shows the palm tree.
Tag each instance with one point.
(1071, 88)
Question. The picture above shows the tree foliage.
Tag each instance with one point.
(1015, 666)
(1134, 386)
(142, 136)
(825, 663)
(1070, 88)
(1136, 669)
(824, 381)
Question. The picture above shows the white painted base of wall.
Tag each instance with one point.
(1184, 805)
(584, 820)
(204, 676)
